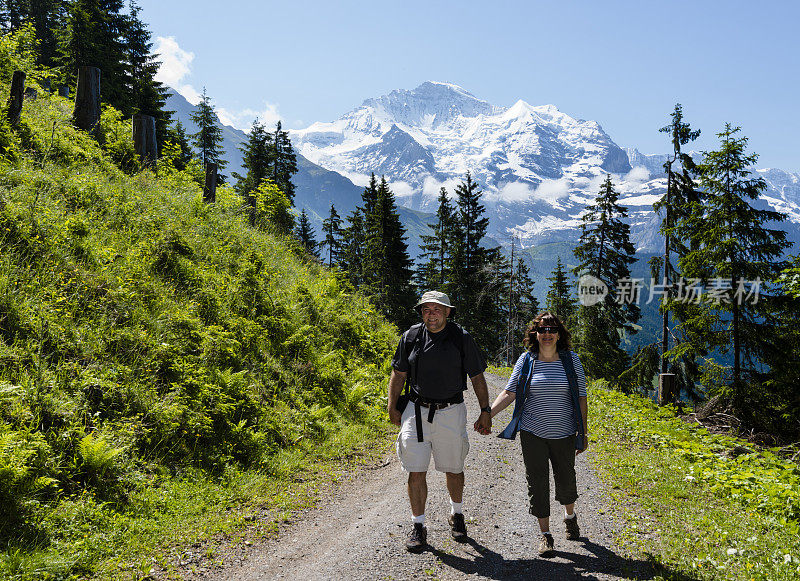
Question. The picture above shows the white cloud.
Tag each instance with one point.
(175, 66)
(638, 174)
(552, 190)
(243, 119)
(402, 189)
(512, 192)
(431, 187)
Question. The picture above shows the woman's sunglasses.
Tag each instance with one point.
(552, 330)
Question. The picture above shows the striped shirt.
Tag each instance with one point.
(548, 411)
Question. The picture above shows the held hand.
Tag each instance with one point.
(585, 445)
(483, 425)
(394, 415)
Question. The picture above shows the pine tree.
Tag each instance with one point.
(147, 95)
(305, 234)
(257, 160)
(284, 162)
(523, 307)
(332, 228)
(176, 133)
(605, 252)
(49, 19)
(436, 248)
(387, 265)
(351, 259)
(95, 37)
(678, 204)
(479, 276)
(731, 241)
(559, 298)
(208, 139)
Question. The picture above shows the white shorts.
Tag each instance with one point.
(446, 438)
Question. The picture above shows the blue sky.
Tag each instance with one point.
(623, 64)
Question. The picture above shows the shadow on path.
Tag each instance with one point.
(601, 561)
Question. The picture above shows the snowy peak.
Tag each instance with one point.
(430, 105)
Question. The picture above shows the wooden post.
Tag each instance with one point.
(666, 388)
(30, 94)
(87, 99)
(210, 188)
(144, 138)
(15, 97)
(63, 91)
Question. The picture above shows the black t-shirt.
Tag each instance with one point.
(439, 366)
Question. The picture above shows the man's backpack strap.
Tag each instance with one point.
(572, 379)
(457, 337)
(523, 385)
(412, 340)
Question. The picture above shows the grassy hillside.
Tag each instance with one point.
(701, 506)
(159, 359)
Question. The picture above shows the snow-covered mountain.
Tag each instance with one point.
(538, 167)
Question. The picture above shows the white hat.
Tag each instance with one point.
(434, 297)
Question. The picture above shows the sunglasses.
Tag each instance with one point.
(552, 330)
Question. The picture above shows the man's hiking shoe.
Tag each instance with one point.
(573, 531)
(418, 539)
(546, 546)
(457, 527)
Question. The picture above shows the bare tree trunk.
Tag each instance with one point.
(87, 100)
(210, 188)
(15, 97)
(144, 138)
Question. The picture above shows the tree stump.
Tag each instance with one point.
(15, 97)
(63, 91)
(87, 99)
(210, 187)
(666, 388)
(144, 138)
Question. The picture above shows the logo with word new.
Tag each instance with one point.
(591, 290)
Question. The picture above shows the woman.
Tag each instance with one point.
(551, 418)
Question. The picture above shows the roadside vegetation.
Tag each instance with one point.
(166, 370)
(699, 505)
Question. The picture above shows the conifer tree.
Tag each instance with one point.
(523, 306)
(332, 228)
(681, 200)
(605, 252)
(95, 38)
(436, 249)
(351, 259)
(284, 162)
(731, 240)
(478, 275)
(208, 139)
(176, 133)
(387, 265)
(559, 298)
(147, 95)
(256, 161)
(305, 234)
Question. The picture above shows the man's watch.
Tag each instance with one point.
(487, 409)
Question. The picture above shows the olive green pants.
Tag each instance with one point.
(536, 452)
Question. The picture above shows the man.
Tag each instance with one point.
(436, 357)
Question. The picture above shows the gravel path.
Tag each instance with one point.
(358, 533)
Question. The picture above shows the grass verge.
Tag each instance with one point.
(179, 525)
(699, 505)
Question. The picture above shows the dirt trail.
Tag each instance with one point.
(359, 532)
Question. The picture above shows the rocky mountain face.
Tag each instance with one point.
(538, 167)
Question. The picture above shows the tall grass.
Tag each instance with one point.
(149, 341)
